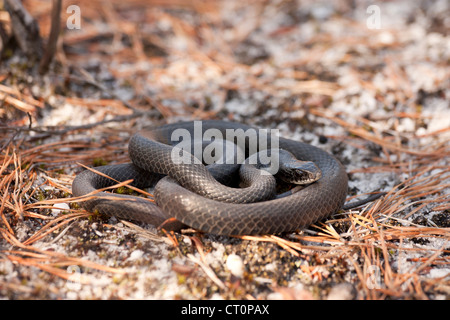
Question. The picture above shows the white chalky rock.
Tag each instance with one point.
(235, 265)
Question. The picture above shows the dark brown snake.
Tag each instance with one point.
(177, 198)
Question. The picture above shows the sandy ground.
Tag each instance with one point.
(375, 93)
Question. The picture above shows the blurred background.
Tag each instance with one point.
(368, 81)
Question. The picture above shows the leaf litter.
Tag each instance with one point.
(376, 99)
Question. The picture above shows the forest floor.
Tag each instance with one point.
(374, 93)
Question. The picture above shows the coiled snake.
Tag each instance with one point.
(179, 195)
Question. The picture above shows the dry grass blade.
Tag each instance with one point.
(179, 60)
(19, 100)
(207, 269)
(142, 232)
(54, 225)
(376, 138)
(118, 185)
(18, 188)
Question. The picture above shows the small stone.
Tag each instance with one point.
(235, 265)
(323, 139)
(59, 207)
(135, 255)
(342, 291)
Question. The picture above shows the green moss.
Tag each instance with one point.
(97, 162)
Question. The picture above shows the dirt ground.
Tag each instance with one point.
(366, 81)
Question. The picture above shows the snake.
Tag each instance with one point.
(182, 189)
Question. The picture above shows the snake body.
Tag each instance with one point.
(180, 195)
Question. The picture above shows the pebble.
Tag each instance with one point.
(342, 291)
(235, 265)
(59, 207)
(135, 255)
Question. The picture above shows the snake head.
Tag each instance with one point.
(299, 172)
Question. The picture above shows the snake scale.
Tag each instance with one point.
(178, 205)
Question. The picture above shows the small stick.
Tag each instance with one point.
(53, 38)
(25, 29)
